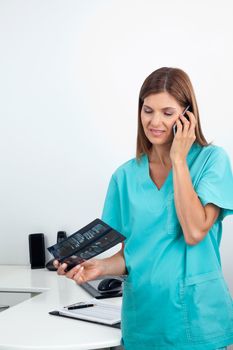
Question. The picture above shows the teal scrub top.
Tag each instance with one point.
(174, 296)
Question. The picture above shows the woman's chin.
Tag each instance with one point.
(161, 141)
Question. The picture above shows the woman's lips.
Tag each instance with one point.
(156, 132)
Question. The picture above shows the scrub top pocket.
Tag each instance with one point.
(207, 306)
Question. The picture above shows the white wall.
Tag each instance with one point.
(70, 74)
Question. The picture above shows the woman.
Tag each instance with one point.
(169, 202)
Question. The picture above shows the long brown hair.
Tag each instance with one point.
(177, 83)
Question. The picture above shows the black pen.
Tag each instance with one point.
(79, 306)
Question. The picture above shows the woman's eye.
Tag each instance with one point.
(168, 114)
(147, 110)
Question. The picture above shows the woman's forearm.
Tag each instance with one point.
(115, 264)
(190, 211)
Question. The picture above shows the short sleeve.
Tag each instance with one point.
(112, 210)
(216, 182)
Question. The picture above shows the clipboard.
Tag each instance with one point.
(57, 313)
(94, 311)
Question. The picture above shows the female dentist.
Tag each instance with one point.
(169, 202)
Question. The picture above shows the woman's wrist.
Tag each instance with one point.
(179, 162)
(104, 267)
(113, 265)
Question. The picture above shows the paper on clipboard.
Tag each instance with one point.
(101, 312)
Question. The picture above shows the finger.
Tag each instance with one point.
(179, 127)
(61, 269)
(86, 263)
(73, 271)
(190, 114)
(56, 263)
(79, 277)
(186, 124)
(193, 121)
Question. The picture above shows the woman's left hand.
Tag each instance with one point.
(184, 138)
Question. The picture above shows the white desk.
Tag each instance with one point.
(28, 326)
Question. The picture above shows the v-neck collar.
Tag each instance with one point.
(146, 181)
(166, 181)
(167, 185)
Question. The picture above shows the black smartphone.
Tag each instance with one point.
(183, 113)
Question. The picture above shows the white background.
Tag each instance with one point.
(70, 74)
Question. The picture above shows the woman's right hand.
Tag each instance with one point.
(84, 272)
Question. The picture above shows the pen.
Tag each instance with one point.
(79, 306)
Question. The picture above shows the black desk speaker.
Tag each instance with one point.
(37, 250)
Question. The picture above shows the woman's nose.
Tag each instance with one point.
(156, 119)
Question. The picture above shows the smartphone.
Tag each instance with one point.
(183, 113)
